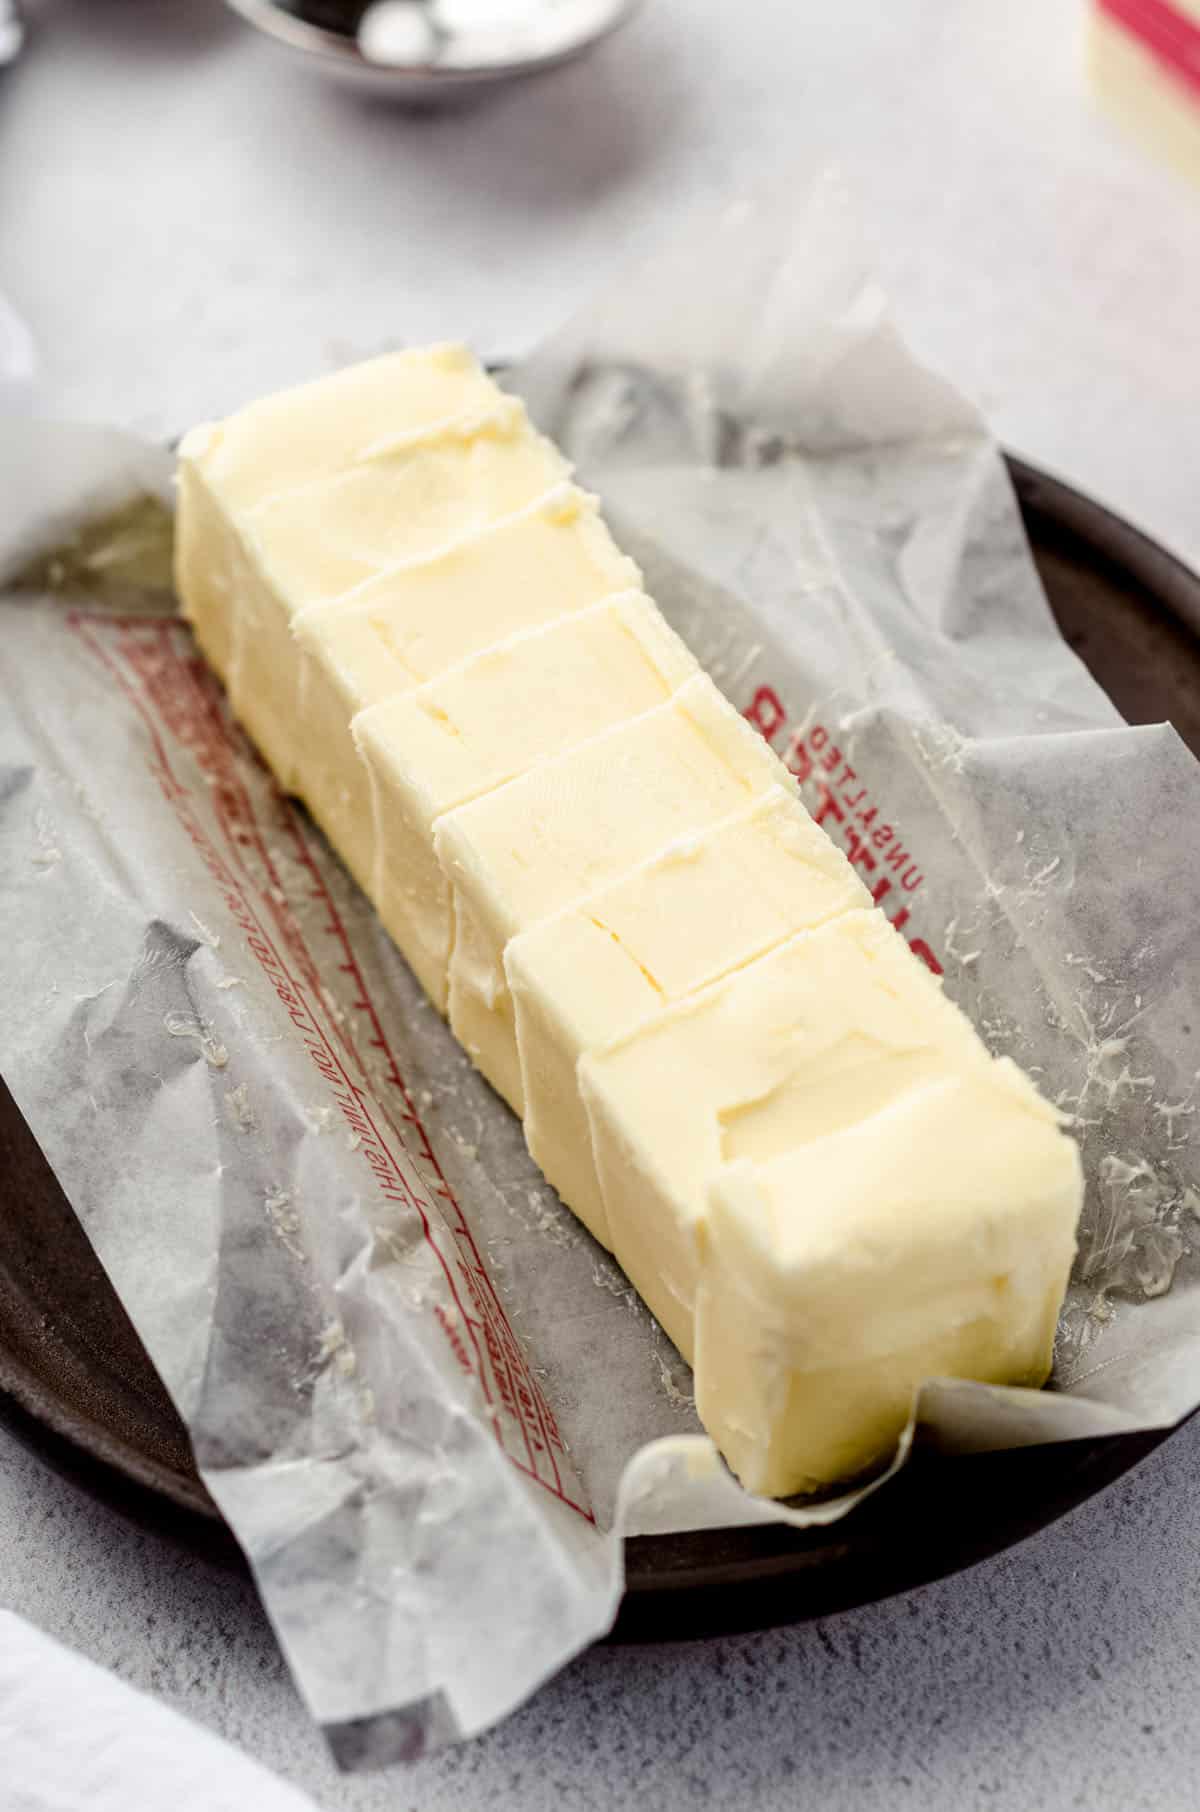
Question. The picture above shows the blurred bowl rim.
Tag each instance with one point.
(342, 54)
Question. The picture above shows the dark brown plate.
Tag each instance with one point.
(76, 1383)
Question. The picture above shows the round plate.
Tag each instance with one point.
(76, 1383)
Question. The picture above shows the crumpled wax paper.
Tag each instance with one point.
(426, 1402)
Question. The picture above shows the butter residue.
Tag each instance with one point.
(203, 933)
(200, 1032)
(677, 1398)
(284, 1219)
(1135, 1242)
(334, 1348)
(237, 1106)
(46, 854)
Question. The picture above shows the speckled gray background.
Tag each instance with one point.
(188, 218)
(1061, 1674)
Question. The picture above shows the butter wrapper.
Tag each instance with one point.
(379, 1325)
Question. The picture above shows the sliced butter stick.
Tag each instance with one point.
(931, 1239)
(331, 423)
(707, 904)
(571, 825)
(554, 558)
(822, 1032)
(483, 723)
(737, 1074)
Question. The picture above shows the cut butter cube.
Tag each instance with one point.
(706, 905)
(571, 825)
(321, 540)
(821, 1032)
(318, 430)
(399, 632)
(483, 723)
(306, 495)
(323, 427)
(930, 1239)
(478, 483)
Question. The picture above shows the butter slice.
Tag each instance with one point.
(822, 1032)
(568, 827)
(332, 535)
(318, 430)
(933, 1238)
(305, 496)
(706, 905)
(445, 493)
(483, 723)
(554, 558)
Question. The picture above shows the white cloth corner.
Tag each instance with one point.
(74, 1738)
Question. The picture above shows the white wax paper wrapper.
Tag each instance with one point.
(423, 1398)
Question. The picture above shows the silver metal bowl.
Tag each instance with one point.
(424, 50)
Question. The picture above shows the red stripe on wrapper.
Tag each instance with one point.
(1167, 34)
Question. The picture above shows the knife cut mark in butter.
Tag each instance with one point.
(729, 1064)
(841, 1086)
(652, 981)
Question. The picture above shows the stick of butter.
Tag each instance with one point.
(730, 1065)
(229, 469)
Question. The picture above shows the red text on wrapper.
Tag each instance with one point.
(843, 805)
(180, 705)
